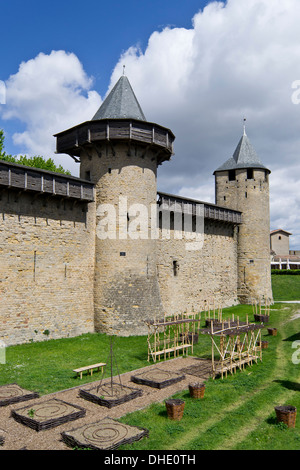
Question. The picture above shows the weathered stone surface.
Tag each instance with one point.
(46, 268)
(251, 196)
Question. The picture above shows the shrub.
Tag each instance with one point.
(286, 271)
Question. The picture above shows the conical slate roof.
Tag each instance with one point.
(244, 156)
(121, 103)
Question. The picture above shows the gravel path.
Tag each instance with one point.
(18, 436)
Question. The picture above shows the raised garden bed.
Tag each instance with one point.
(261, 318)
(175, 409)
(197, 390)
(106, 434)
(157, 378)
(110, 395)
(286, 414)
(13, 393)
(48, 414)
(272, 331)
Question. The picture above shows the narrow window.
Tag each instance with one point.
(231, 175)
(88, 175)
(175, 268)
(250, 174)
(160, 219)
(246, 195)
(109, 170)
(172, 220)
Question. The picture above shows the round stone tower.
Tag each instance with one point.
(242, 183)
(119, 151)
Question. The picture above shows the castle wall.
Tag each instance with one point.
(46, 269)
(203, 276)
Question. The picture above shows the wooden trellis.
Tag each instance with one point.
(172, 335)
(261, 307)
(234, 344)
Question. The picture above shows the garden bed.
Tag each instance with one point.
(110, 395)
(157, 378)
(48, 414)
(106, 434)
(13, 393)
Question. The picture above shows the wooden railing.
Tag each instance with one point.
(23, 178)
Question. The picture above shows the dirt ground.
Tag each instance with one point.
(19, 436)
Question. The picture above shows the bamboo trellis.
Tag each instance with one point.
(172, 335)
(234, 345)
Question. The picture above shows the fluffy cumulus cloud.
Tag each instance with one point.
(48, 94)
(239, 59)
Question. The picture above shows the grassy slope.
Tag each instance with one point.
(48, 366)
(286, 287)
(236, 413)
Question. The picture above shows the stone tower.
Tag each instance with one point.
(119, 151)
(242, 183)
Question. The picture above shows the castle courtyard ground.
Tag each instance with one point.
(18, 436)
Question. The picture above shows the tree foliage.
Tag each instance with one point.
(35, 162)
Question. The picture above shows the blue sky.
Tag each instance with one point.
(196, 67)
(97, 31)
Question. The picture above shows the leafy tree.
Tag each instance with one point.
(36, 161)
(2, 152)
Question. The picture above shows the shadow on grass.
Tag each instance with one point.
(289, 385)
(295, 337)
(272, 420)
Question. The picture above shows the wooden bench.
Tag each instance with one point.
(90, 368)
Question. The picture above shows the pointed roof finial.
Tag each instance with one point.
(244, 156)
(245, 126)
(124, 69)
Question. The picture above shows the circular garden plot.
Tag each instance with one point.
(110, 394)
(47, 414)
(13, 393)
(105, 434)
(157, 378)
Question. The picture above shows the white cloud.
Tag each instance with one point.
(239, 60)
(285, 202)
(49, 94)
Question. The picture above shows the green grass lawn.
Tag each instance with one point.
(236, 412)
(286, 287)
(47, 367)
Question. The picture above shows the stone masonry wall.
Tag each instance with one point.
(251, 196)
(46, 269)
(203, 277)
